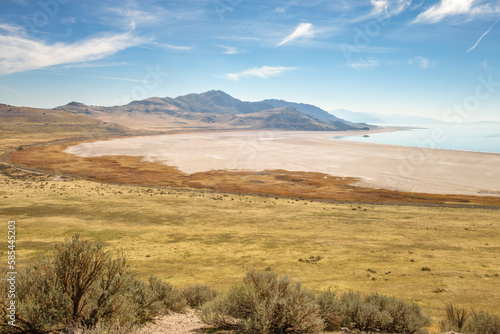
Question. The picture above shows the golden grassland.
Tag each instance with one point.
(188, 236)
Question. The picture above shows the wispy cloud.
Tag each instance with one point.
(263, 72)
(131, 18)
(482, 36)
(446, 8)
(385, 8)
(117, 78)
(174, 47)
(364, 64)
(20, 53)
(230, 50)
(422, 62)
(94, 65)
(380, 6)
(302, 30)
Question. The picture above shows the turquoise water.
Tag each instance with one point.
(464, 137)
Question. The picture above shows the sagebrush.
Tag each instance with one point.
(265, 303)
(79, 285)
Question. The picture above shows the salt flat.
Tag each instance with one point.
(379, 166)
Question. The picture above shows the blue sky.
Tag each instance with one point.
(439, 59)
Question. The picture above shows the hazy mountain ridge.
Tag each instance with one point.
(216, 110)
(380, 119)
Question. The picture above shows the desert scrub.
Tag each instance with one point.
(373, 312)
(483, 323)
(329, 307)
(406, 318)
(456, 319)
(153, 298)
(461, 320)
(79, 285)
(265, 303)
(197, 295)
(357, 313)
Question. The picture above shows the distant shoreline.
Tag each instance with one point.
(466, 138)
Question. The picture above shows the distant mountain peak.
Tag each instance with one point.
(76, 104)
(215, 92)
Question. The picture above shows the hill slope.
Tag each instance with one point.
(215, 110)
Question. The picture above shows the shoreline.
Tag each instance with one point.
(379, 166)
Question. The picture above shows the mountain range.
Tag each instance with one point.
(215, 110)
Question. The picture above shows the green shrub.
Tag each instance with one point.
(456, 319)
(406, 318)
(217, 313)
(82, 286)
(265, 303)
(329, 307)
(153, 298)
(483, 323)
(358, 314)
(197, 295)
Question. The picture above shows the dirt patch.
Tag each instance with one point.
(187, 323)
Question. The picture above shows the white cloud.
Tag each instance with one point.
(302, 30)
(421, 62)
(263, 72)
(380, 6)
(175, 47)
(230, 50)
(20, 53)
(446, 8)
(131, 18)
(363, 64)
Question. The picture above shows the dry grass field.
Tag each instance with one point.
(432, 255)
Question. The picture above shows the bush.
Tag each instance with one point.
(483, 323)
(374, 312)
(217, 313)
(329, 307)
(356, 313)
(197, 295)
(456, 319)
(81, 285)
(153, 298)
(406, 318)
(265, 303)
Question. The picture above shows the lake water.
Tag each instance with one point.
(463, 137)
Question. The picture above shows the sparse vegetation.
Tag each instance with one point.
(456, 318)
(330, 310)
(197, 295)
(82, 286)
(265, 303)
(470, 322)
(483, 323)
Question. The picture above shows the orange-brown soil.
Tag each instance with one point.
(305, 185)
